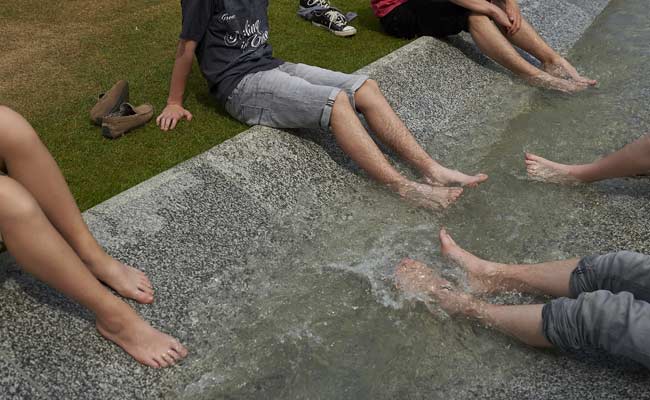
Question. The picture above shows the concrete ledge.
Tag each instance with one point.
(195, 229)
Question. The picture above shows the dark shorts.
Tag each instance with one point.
(426, 18)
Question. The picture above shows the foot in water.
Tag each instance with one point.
(415, 278)
(547, 81)
(543, 170)
(441, 176)
(125, 280)
(482, 275)
(144, 343)
(427, 196)
(561, 68)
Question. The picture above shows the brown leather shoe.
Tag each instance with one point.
(110, 102)
(126, 119)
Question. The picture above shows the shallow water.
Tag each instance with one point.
(321, 319)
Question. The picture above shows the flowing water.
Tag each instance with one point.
(322, 320)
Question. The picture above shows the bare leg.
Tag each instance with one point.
(28, 161)
(391, 131)
(40, 250)
(355, 142)
(493, 44)
(554, 64)
(631, 160)
(551, 278)
(521, 322)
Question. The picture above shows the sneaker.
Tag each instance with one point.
(110, 102)
(315, 3)
(126, 119)
(334, 21)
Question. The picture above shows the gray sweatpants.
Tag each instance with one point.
(609, 307)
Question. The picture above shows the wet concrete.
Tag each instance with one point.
(218, 235)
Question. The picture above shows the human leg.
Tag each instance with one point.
(27, 161)
(491, 41)
(631, 160)
(551, 278)
(392, 131)
(366, 97)
(356, 143)
(41, 251)
(523, 322)
(616, 323)
(282, 100)
(622, 271)
(529, 40)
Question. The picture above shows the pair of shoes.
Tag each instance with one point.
(323, 15)
(115, 115)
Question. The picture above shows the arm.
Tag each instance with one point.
(511, 8)
(486, 8)
(174, 110)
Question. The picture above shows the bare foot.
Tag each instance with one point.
(562, 69)
(144, 343)
(543, 170)
(427, 196)
(442, 176)
(547, 81)
(125, 280)
(482, 275)
(415, 278)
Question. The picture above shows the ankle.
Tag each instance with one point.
(579, 172)
(401, 187)
(551, 59)
(96, 260)
(117, 318)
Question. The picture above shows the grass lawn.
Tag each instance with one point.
(57, 56)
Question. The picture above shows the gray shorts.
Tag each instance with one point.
(291, 96)
(609, 308)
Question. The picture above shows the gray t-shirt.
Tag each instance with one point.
(232, 40)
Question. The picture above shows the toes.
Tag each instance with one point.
(153, 363)
(406, 262)
(442, 235)
(145, 288)
(161, 361)
(532, 157)
(142, 297)
(169, 358)
(179, 348)
(174, 354)
(145, 280)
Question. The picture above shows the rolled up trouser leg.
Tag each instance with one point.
(616, 323)
(623, 271)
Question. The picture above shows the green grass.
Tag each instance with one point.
(60, 55)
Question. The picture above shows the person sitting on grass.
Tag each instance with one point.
(631, 160)
(230, 41)
(603, 301)
(496, 28)
(43, 229)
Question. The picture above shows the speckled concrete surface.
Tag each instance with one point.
(194, 230)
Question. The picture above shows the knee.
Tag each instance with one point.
(341, 103)
(368, 95)
(15, 132)
(476, 19)
(16, 203)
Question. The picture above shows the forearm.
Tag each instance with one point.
(478, 6)
(181, 71)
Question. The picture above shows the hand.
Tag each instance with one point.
(514, 14)
(501, 18)
(170, 116)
